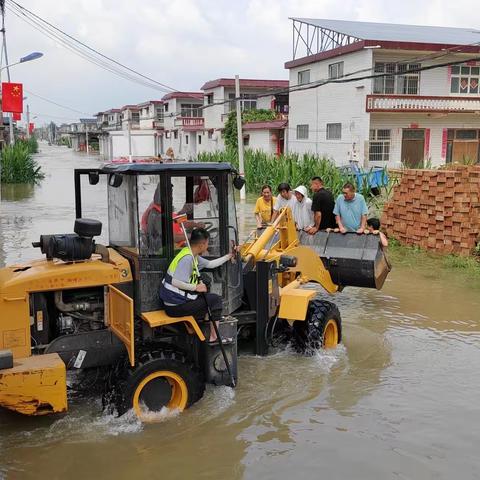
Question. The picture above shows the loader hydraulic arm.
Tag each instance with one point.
(309, 267)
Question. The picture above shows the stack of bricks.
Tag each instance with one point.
(436, 209)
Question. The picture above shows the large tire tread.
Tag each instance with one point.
(148, 361)
(308, 334)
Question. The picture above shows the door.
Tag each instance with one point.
(120, 319)
(413, 145)
(193, 144)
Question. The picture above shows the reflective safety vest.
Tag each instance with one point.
(168, 292)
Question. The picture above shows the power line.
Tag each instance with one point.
(66, 39)
(346, 78)
(46, 115)
(79, 51)
(55, 103)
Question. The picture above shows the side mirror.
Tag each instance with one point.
(93, 178)
(115, 180)
(238, 182)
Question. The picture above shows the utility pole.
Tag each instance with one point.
(129, 138)
(241, 162)
(28, 121)
(86, 138)
(4, 46)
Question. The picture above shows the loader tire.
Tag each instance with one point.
(160, 378)
(322, 327)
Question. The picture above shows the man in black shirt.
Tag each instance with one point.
(322, 206)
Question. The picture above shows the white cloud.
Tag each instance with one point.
(185, 42)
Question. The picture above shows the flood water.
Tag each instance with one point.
(399, 399)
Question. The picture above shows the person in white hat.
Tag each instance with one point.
(302, 210)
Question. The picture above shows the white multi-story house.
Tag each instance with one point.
(84, 135)
(219, 101)
(183, 123)
(415, 108)
(133, 130)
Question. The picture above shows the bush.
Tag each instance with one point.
(17, 164)
(253, 115)
(31, 144)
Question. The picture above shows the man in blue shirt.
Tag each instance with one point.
(350, 210)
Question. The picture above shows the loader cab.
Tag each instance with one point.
(144, 199)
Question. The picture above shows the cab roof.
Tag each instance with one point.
(153, 168)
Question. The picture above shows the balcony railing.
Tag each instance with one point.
(189, 122)
(422, 104)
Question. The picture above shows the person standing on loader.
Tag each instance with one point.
(322, 207)
(182, 291)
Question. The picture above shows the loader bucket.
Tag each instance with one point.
(353, 260)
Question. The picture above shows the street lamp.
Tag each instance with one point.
(26, 58)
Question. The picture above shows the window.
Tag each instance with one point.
(335, 70)
(248, 101)
(122, 213)
(465, 80)
(135, 117)
(302, 132)
(186, 139)
(151, 215)
(334, 131)
(209, 99)
(246, 140)
(199, 139)
(210, 134)
(190, 110)
(379, 146)
(165, 107)
(197, 197)
(466, 134)
(175, 134)
(399, 81)
(303, 77)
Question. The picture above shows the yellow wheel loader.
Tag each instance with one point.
(88, 307)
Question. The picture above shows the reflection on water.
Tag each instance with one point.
(16, 192)
(398, 399)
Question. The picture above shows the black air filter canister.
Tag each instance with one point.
(352, 260)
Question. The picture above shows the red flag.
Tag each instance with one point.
(17, 117)
(12, 97)
(31, 127)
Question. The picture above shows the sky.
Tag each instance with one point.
(181, 43)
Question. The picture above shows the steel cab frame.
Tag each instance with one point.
(125, 184)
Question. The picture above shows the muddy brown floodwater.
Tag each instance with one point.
(400, 398)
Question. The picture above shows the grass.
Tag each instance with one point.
(17, 164)
(414, 256)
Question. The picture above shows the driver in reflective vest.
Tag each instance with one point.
(181, 285)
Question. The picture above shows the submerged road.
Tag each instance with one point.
(398, 399)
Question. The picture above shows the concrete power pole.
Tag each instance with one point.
(28, 121)
(129, 138)
(4, 46)
(241, 161)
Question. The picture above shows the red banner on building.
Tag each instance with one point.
(31, 127)
(17, 117)
(12, 97)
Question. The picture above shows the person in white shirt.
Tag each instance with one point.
(285, 198)
(302, 211)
